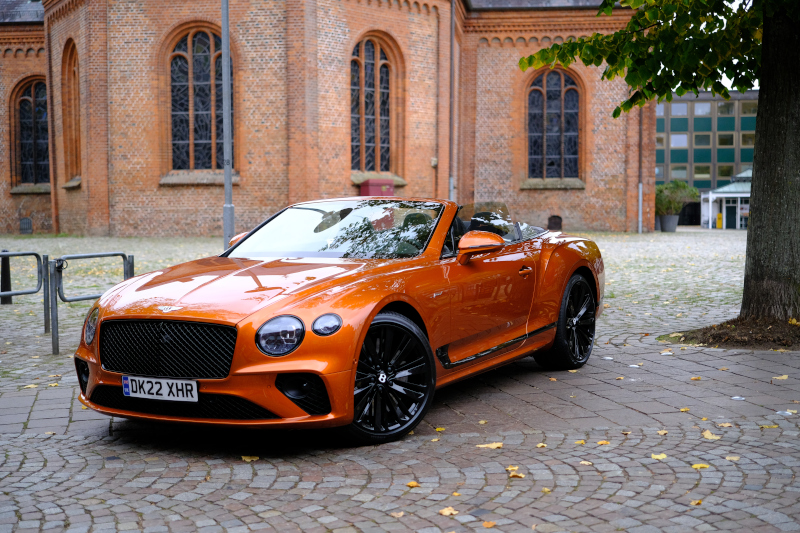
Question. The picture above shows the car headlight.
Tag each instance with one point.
(91, 326)
(280, 336)
(326, 325)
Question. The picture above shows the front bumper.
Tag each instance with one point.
(251, 390)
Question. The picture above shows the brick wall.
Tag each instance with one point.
(291, 112)
(22, 58)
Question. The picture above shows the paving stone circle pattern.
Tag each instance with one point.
(653, 451)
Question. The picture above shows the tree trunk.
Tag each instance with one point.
(772, 268)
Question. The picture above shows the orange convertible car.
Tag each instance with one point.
(344, 312)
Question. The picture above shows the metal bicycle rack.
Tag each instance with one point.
(41, 281)
(56, 289)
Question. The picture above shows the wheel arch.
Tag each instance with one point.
(404, 308)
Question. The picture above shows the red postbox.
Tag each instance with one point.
(377, 187)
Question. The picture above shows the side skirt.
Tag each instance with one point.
(444, 358)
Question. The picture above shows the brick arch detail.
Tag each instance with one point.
(394, 54)
(160, 63)
(71, 118)
(520, 109)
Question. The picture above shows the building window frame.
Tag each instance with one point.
(163, 64)
(26, 91)
(677, 166)
(386, 59)
(708, 134)
(726, 134)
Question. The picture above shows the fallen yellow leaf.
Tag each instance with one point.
(586, 463)
(572, 371)
(54, 376)
(482, 422)
(724, 368)
(412, 484)
(541, 445)
(704, 418)
(440, 429)
(696, 502)
(769, 427)
(456, 494)
(546, 490)
(489, 524)
(435, 440)
(699, 466)
(84, 407)
(492, 445)
(605, 306)
(580, 441)
(249, 458)
(603, 442)
(732, 458)
(619, 378)
(511, 468)
(781, 377)
(553, 379)
(516, 474)
(662, 432)
(448, 511)
(32, 386)
(49, 432)
(793, 411)
(52, 384)
(684, 409)
(658, 456)
(626, 432)
(696, 378)
(710, 436)
(398, 514)
(725, 425)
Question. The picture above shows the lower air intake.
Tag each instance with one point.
(307, 391)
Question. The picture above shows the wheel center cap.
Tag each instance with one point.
(382, 377)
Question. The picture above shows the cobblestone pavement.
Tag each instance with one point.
(64, 467)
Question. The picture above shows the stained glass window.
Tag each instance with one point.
(370, 108)
(33, 152)
(196, 93)
(553, 126)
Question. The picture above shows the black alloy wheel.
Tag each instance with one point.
(575, 330)
(395, 380)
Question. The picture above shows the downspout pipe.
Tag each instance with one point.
(450, 153)
(641, 133)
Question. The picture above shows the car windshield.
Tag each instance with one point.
(361, 229)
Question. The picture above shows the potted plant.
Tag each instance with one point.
(670, 199)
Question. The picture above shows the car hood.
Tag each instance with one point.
(227, 290)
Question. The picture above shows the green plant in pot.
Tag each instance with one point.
(670, 199)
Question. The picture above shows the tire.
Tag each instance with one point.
(573, 344)
(392, 393)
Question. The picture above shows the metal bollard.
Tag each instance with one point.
(54, 274)
(5, 279)
(46, 293)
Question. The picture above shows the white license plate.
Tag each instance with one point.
(160, 389)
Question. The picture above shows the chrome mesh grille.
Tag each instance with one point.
(167, 348)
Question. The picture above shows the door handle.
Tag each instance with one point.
(524, 271)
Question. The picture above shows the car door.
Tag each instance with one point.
(490, 296)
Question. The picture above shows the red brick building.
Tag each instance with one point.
(110, 112)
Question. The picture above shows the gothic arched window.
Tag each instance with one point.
(71, 111)
(553, 126)
(33, 153)
(370, 113)
(196, 92)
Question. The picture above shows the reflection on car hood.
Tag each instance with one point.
(224, 289)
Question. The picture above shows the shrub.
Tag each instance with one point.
(671, 197)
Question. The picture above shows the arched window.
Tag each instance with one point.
(196, 90)
(370, 113)
(33, 154)
(553, 108)
(71, 111)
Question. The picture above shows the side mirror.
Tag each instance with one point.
(237, 238)
(478, 242)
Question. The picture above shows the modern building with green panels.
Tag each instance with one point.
(705, 140)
